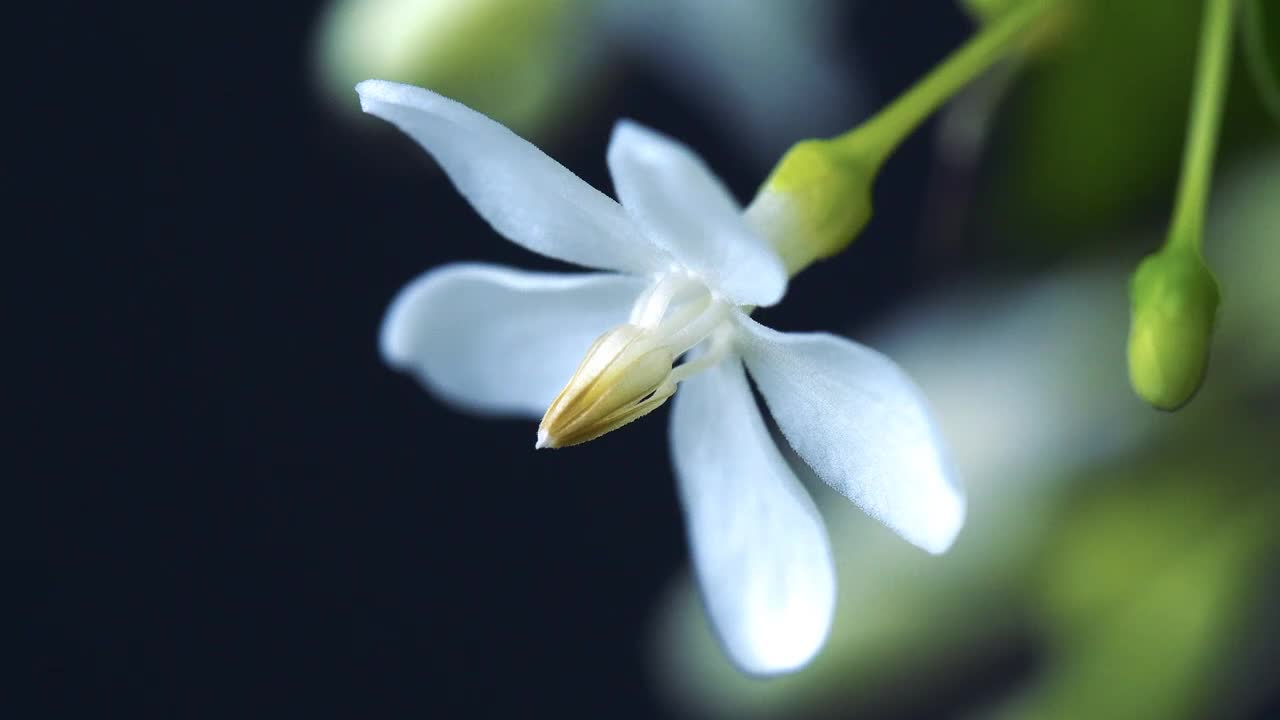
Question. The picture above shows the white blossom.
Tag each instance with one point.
(683, 269)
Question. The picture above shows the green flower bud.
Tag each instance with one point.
(817, 199)
(1173, 299)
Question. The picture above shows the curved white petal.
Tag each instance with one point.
(856, 418)
(760, 550)
(498, 340)
(526, 196)
(685, 209)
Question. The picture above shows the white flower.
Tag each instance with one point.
(686, 268)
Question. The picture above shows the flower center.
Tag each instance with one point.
(630, 370)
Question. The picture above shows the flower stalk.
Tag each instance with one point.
(1208, 94)
(818, 197)
(885, 131)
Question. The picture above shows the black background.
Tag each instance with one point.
(240, 510)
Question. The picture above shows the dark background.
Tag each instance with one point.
(240, 510)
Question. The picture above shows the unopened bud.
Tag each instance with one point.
(1173, 300)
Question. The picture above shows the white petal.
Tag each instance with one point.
(686, 210)
(856, 418)
(760, 550)
(526, 196)
(498, 340)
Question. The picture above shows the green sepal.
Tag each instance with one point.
(817, 199)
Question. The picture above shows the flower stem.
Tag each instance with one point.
(817, 199)
(888, 128)
(1187, 228)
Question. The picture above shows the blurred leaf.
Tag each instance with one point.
(1151, 582)
(1260, 29)
(514, 60)
(1241, 246)
(1099, 123)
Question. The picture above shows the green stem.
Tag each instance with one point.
(1187, 228)
(888, 128)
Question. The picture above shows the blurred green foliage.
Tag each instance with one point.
(1260, 28)
(1151, 579)
(1099, 123)
(1095, 130)
(514, 58)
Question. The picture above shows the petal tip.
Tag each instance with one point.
(943, 521)
(372, 91)
(626, 130)
(398, 341)
(393, 343)
(780, 648)
(773, 283)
